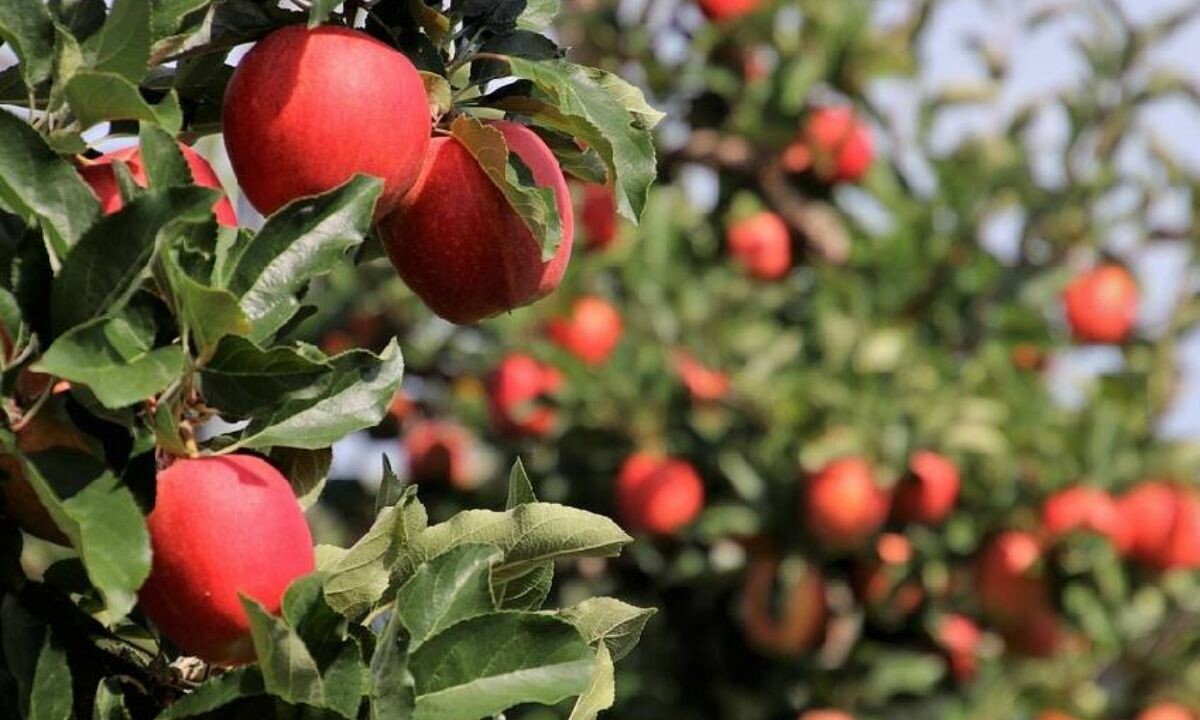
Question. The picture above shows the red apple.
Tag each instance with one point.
(795, 623)
(599, 216)
(1040, 634)
(517, 390)
(657, 494)
(705, 384)
(437, 451)
(834, 144)
(1082, 508)
(928, 493)
(885, 584)
(844, 507)
(720, 11)
(306, 110)
(1009, 578)
(1102, 304)
(1166, 711)
(461, 247)
(100, 176)
(761, 243)
(592, 331)
(1165, 524)
(959, 637)
(221, 526)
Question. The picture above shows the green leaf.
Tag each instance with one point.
(608, 113)
(318, 11)
(449, 589)
(242, 379)
(209, 314)
(51, 696)
(347, 680)
(486, 665)
(305, 239)
(391, 490)
(527, 592)
(164, 162)
(37, 184)
(123, 45)
(97, 96)
(618, 625)
(100, 517)
(538, 15)
(216, 693)
(351, 392)
(535, 204)
(114, 361)
(110, 702)
(288, 671)
(166, 16)
(360, 577)
(306, 470)
(439, 92)
(529, 535)
(601, 690)
(106, 267)
(26, 25)
(520, 489)
(393, 689)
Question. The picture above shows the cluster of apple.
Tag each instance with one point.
(299, 122)
(835, 147)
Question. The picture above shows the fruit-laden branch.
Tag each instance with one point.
(816, 221)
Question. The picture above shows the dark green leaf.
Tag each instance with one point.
(110, 702)
(447, 590)
(288, 670)
(27, 27)
(123, 45)
(393, 692)
(526, 592)
(164, 163)
(305, 470)
(209, 314)
(105, 268)
(605, 111)
(39, 185)
(97, 96)
(217, 693)
(486, 665)
(305, 239)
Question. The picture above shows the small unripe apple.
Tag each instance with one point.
(459, 245)
(798, 622)
(762, 244)
(1009, 578)
(720, 11)
(834, 144)
(843, 505)
(21, 502)
(705, 384)
(101, 177)
(1090, 509)
(221, 526)
(592, 331)
(928, 492)
(599, 216)
(1102, 304)
(438, 451)
(517, 393)
(658, 495)
(1164, 519)
(306, 110)
(1166, 711)
(959, 637)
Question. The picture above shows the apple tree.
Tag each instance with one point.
(165, 425)
(889, 380)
